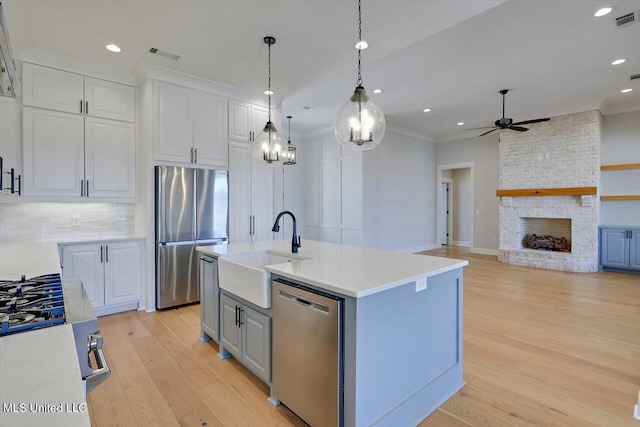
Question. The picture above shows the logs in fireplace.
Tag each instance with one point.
(548, 243)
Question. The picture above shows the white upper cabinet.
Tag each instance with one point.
(190, 126)
(58, 90)
(110, 154)
(53, 147)
(210, 129)
(246, 120)
(52, 89)
(109, 100)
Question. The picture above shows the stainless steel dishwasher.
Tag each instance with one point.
(307, 353)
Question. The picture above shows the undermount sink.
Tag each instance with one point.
(244, 274)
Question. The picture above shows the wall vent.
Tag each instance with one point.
(626, 20)
(164, 53)
(634, 77)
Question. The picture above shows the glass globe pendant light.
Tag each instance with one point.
(360, 123)
(289, 154)
(269, 142)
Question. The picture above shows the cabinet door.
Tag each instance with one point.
(109, 100)
(10, 139)
(53, 89)
(259, 117)
(110, 158)
(122, 272)
(53, 153)
(239, 192)
(210, 129)
(614, 248)
(256, 343)
(173, 124)
(634, 250)
(209, 304)
(262, 201)
(239, 121)
(230, 331)
(86, 262)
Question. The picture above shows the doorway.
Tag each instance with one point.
(455, 204)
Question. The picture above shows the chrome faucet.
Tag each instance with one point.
(295, 240)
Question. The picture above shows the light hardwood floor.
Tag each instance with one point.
(541, 348)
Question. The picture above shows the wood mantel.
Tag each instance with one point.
(529, 192)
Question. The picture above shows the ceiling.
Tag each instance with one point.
(450, 56)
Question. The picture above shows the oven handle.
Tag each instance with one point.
(99, 375)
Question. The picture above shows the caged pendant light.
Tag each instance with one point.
(360, 123)
(289, 154)
(269, 143)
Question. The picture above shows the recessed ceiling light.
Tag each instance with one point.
(378, 91)
(269, 92)
(626, 90)
(618, 61)
(426, 110)
(306, 107)
(362, 45)
(113, 48)
(460, 123)
(603, 11)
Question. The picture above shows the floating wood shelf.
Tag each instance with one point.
(620, 167)
(528, 192)
(628, 197)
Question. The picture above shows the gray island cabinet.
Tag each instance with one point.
(401, 325)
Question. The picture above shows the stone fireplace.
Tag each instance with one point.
(563, 153)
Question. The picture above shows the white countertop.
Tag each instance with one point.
(40, 375)
(348, 270)
(28, 258)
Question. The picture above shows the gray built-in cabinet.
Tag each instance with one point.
(620, 248)
(209, 299)
(245, 333)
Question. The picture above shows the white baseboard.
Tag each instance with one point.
(484, 251)
(458, 243)
(419, 248)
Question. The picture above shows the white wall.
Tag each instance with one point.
(461, 206)
(620, 144)
(399, 194)
(483, 152)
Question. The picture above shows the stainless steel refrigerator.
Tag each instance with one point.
(191, 210)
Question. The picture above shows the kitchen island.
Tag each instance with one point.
(401, 354)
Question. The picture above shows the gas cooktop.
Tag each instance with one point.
(31, 304)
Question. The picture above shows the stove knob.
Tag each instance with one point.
(95, 341)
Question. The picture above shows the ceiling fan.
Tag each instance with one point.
(507, 123)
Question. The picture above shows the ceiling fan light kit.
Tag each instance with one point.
(269, 142)
(507, 122)
(360, 123)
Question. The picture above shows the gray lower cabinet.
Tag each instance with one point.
(246, 334)
(620, 248)
(209, 299)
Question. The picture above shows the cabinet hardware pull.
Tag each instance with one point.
(81, 106)
(249, 225)
(86, 107)
(191, 154)
(87, 188)
(240, 322)
(19, 184)
(82, 188)
(196, 155)
(236, 315)
(101, 255)
(106, 252)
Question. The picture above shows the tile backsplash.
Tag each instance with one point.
(65, 221)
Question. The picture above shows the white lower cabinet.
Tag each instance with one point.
(209, 299)
(246, 334)
(111, 272)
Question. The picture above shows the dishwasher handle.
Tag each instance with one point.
(303, 302)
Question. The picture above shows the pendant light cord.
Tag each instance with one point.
(359, 40)
(269, 81)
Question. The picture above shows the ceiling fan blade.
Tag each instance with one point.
(518, 128)
(493, 130)
(528, 122)
(486, 127)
